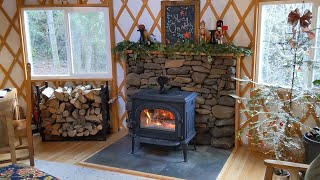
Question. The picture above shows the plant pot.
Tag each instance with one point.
(312, 149)
(284, 175)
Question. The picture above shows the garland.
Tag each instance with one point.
(187, 47)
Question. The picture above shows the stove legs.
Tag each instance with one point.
(185, 148)
(132, 146)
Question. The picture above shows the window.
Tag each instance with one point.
(68, 42)
(275, 58)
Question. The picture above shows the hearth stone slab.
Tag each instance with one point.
(205, 163)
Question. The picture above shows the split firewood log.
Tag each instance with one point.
(80, 134)
(59, 118)
(95, 104)
(66, 113)
(42, 107)
(53, 102)
(97, 99)
(75, 113)
(45, 113)
(82, 99)
(94, 131)
(59, 94)
(100, 117)
(48, 92)
(97, 111)
(93, 118)
(99, 127)
(70, 119)
(62, 107)
(82, 112)
(88, 126)
(96, 91)
(67, 92)
(65, 134)
(85, 106)
(72, 133)
(55, 129)
(89, 95)
(70, 107)
(86, 133)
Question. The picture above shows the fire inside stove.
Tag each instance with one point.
(157, 119)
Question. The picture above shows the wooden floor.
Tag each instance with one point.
(242, 164)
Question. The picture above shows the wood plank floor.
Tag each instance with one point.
(242, 165)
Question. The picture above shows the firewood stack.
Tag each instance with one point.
(71, 112)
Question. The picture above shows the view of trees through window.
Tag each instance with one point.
(317, 50)
(275, 57)
(61, 42)
(47, 44)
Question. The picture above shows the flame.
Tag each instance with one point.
(158, 118)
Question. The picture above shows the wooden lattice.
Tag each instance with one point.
(238, 14)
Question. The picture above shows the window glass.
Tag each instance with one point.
(275, 56)
(88, 42)
(316, 71)
(47, 51)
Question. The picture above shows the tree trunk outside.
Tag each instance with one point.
(53, 40)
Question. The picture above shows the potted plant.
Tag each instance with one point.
(272, 110)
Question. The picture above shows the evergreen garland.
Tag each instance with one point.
(187, 47)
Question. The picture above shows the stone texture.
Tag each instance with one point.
(226, 93)
(182, 70)
(222, 112)
(206, 65)
(225, 143)
(190, 89)
(225, 122)
(200, 100)
(183, 80)
(174, 83)
(203, 90)
(210, 82)
(159, 60)
(200, 69)
(130, 92)
(133, 79)
(173, 63)
(198, 77)
(224, 131)
(231, 70)
(218, 71)
(230, 62)
(152, 66)
(192, 63)
(203, 139)
(227, 101)
(213, 101)
(202, 130)
(137, 69)
(202, 118)
(218, 61)
(203, 111)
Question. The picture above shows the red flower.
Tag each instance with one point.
(281, 124)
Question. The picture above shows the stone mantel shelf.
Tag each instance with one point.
(191, 54)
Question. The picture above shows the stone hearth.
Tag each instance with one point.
(212, 82)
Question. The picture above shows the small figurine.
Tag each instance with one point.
(144, 37)
(203, 33)
(219, 35)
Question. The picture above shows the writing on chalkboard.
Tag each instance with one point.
(179, 22)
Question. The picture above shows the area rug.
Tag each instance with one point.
(74, 172)
(205, 163)
(23, 171)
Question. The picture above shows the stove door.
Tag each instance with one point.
(158, 120)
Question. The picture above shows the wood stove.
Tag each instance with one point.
(163, 119)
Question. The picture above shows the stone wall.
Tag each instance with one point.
(212, 81)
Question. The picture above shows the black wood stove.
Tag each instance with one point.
(165, 119)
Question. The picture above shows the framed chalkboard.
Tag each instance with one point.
(180, 21)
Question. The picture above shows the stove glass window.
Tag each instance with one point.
(157, 119)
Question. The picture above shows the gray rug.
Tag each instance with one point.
(71, 172)
(205, 163)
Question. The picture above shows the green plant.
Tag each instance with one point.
(186, 47)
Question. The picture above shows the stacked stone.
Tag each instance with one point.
(213, 83)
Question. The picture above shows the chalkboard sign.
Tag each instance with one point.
(179, 21)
